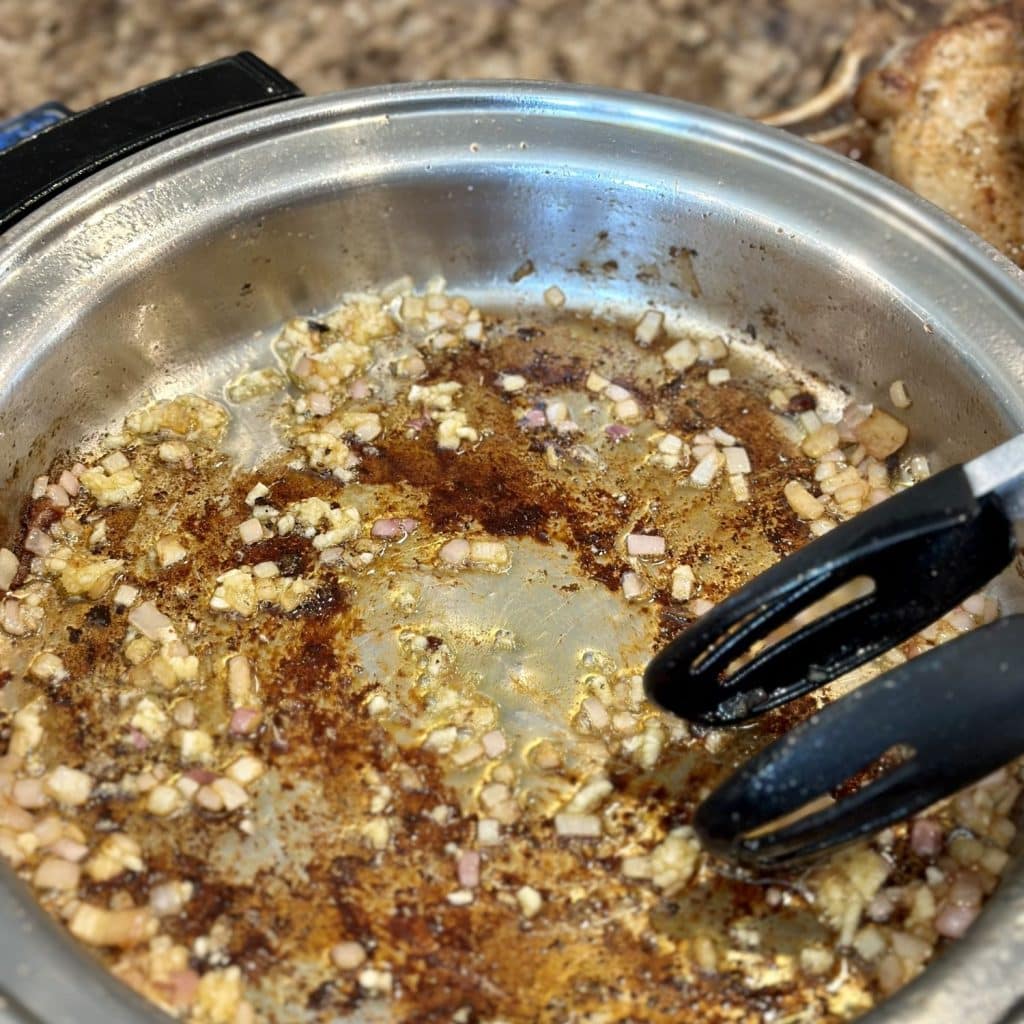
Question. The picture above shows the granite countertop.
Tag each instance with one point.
(748, 56)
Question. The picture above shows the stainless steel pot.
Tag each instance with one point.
(157, 271)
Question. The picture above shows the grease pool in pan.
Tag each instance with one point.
(332, 697)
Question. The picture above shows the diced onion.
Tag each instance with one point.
(632, 586)
(55, 873)
(488, 832)
(38, 542)
(8, 568)
(736, 460)
(57, 496)
(319, 403)
(707, 468)
(596, 712)
(649, 327)
(554, 297)
(802, 502)
(251, 531)
(69, 482)
(494, 743)
(582, 826)
(151, 622)
(898, 394)
(347, 956)
(122, 928)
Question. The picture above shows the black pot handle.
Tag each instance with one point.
(70, 148)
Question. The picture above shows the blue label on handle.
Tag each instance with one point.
(30, 123)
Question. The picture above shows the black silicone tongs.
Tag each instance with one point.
(917, 555)
(945, 719)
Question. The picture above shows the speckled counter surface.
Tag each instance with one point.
(749, 56)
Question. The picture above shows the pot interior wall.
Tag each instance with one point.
(189, 314)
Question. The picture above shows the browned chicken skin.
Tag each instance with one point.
(947, 113)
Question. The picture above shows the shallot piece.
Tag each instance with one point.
(880, 908)
(391, 528)
(966, 891)
(240, 680)
(736, 460)
(616, 431)
(455, 552)
(69, 849)
(641, 545)
(138, 739)
(183, 987)
(359, 389)
(511, 382)
(468, 869)
(209, 799)
(533, 419)
(47, 666)
(632, 586)
(707, 468)
(69, 482)
(319, 404)
(166, 899)
(12, 621)
(185, 714)
(926, 837)
(244, 721)
(58, 497)
(719, 436)
(960, 620)
(952, 921)
(556, 412)
(30, 794)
